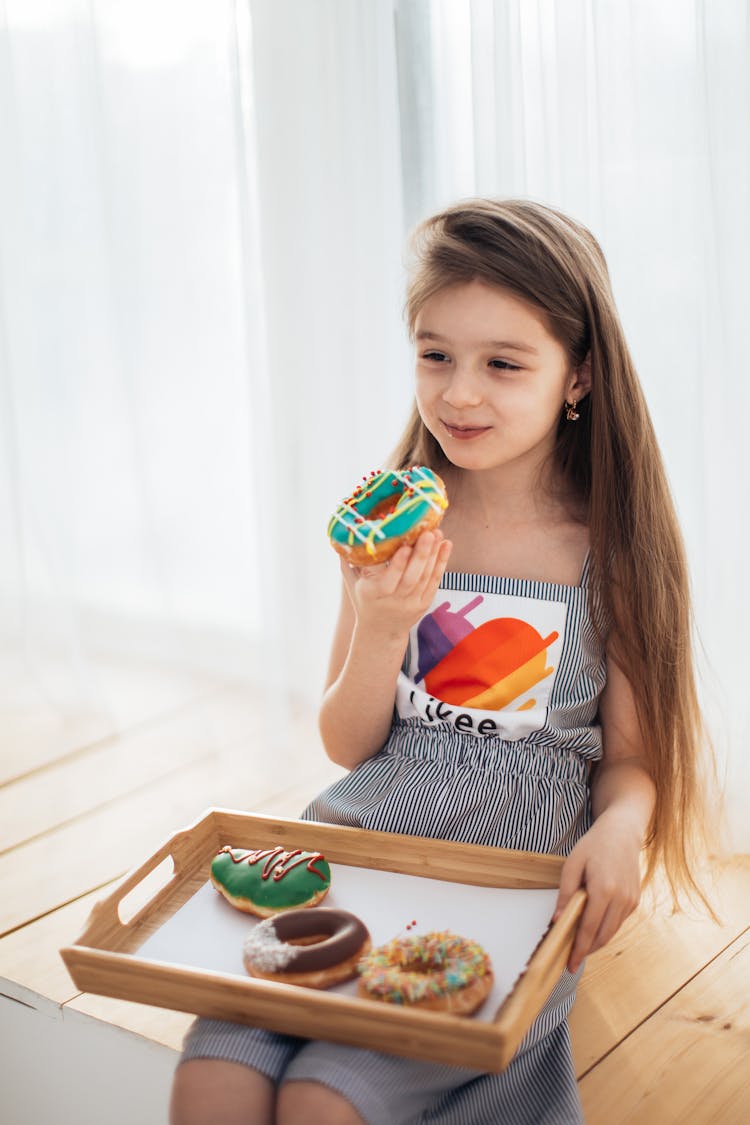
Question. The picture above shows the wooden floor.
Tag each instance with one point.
(661, 1026)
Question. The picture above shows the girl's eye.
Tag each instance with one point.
(503, 365)
(438, 357)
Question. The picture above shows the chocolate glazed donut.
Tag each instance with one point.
(331, 944)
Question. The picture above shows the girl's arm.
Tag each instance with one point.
(606, 860)
(379, 605)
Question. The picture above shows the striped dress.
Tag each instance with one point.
(494, 732)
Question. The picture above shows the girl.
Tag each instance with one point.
(566, 718)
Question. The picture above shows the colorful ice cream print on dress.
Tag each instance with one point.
(439, 631)
(506, 658)
(485, 654)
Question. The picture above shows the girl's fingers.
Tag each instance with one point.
(618, 910)
(588, 928)
(351, 575)
(433, 577)
(587, 942)
(599, 925)
(419, 561)
(571, 879)
(394, 572)
(613, 918)
(386, 574)
(411, 570)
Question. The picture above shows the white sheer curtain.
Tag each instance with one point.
(202, 216)
(126, 412)
(200, 331)
(327, 161)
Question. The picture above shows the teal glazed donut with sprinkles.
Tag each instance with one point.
(385, 511)
(440, 971)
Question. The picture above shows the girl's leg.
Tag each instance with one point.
(349, 1086)
(314, 1104)
(228, 1073)
(214, 1092)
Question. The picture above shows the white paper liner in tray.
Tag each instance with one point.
(207, 933)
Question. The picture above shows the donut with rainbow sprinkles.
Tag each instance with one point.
(440, 971)
(386, 510)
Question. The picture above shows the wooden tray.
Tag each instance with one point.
(104, 959)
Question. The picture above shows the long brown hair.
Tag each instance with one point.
(612, 465)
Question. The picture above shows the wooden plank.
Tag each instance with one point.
(161, 1025)
(652, 957)
(227, 723)
(68, 790)
(44, 719)
(66, 864)
(689, 1061)
(293, 799)
(32, 740)
(31, 969)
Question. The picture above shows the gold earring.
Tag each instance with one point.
(570, 411)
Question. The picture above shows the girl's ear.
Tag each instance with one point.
(580, 381)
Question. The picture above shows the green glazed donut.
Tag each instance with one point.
(268, 880)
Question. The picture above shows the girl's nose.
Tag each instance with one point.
(463, 389)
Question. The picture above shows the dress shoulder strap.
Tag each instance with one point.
(584, 581)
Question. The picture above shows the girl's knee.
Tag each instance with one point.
(215, 1092)
(315, 1104)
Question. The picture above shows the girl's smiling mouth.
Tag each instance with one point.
(465, 433)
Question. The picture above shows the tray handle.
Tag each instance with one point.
(106, 917)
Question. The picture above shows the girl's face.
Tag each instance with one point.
(491, 380)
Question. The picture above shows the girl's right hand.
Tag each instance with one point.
(390, 598)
